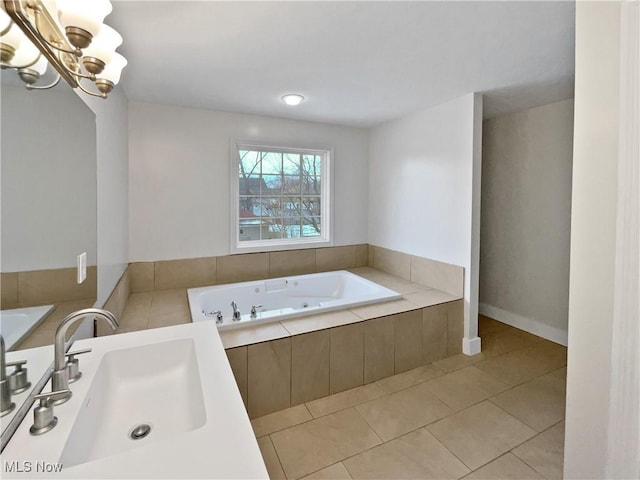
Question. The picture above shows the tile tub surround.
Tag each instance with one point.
(276, 369)
(426, 425)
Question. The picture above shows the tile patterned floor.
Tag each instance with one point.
(498, 415)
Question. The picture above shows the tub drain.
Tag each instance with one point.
(140, 431)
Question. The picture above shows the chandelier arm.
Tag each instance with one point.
(76, 52)
(44, 87)
(6, 30)
(88, 92)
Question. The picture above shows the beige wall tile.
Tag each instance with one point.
(362, 255)
(292, 262)
(391, 261)
(455, 327)
(270, 457)
(9, 287)
(415, 455)
(408, 340)
(186, 273)
(238, 359)
(242, 268)
(118, 299)
(141, 275)
(309, 447)
(335, 258)
(347, 357)
(434, 333)
(250, 335)
(269, 377)
(471, 434)
(309, 366)
(379, 349)
(312, 323)
(39, 287)
(443, 276)
(280, 420)
(383, 309)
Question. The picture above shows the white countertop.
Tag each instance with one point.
(224, 447)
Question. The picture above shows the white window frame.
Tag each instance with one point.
(272, 245)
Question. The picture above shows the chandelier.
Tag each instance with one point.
(69, 35)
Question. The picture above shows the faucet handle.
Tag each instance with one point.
(73, 365)
(43, 418)
(18, 381)
(254, 312)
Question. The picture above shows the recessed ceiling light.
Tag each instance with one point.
(293, 99)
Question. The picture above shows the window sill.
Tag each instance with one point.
(258, 247)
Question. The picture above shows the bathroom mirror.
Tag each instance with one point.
(48, 212)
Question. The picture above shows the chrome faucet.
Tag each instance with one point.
(60, 376)
(254, 311)
(236, 312)
(6, 405)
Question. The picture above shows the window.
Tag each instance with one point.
(280, 198)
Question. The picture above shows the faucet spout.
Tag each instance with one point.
(60, 376)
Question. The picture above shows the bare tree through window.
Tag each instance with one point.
(280, 194)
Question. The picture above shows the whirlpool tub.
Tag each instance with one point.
(281, 298)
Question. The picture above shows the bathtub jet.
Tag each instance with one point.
(278, 299)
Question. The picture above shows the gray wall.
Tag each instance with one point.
(526, 219)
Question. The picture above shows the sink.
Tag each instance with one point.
(170, 388)
(154, 388)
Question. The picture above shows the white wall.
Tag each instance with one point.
(112, 137)
(179, 177)
(422, 192)
(526, 219)
(593, 239)
(48, 179)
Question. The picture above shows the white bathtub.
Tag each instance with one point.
(287, 297)
(16, 324)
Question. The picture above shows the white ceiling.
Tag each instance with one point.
(357, 63)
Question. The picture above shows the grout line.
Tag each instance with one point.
(273, 445)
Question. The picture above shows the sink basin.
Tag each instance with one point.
(153, 387)
(171, 387)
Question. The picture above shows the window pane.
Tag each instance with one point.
(249, 185)
(248, 207)
(291, 207)
(291, 164)
(291, 184)
(249, 229)
(311, 185)
(272, 184)
(270, 207)
(311, 206)
(312, 165)
(249, 163)
(292, 227)
(311, 227)
(272, 228)
(271, 162)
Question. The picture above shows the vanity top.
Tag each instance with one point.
(175, 379)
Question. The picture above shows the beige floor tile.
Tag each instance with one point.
(539, 403)
(270, 458)
(175, 296)
(463, 388)
(506, 340)
(480, 433)
(520, 366)
(177, 317)
(545, 453)
(415, 455)
(401, 412)
(342, 400)
(488, 325)
(506, 467)
(456, 362)
(306, 448)
(408, 379)
(280, 420)
(334, 472)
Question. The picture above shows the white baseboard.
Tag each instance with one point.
(471, 346)
(523, 323)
